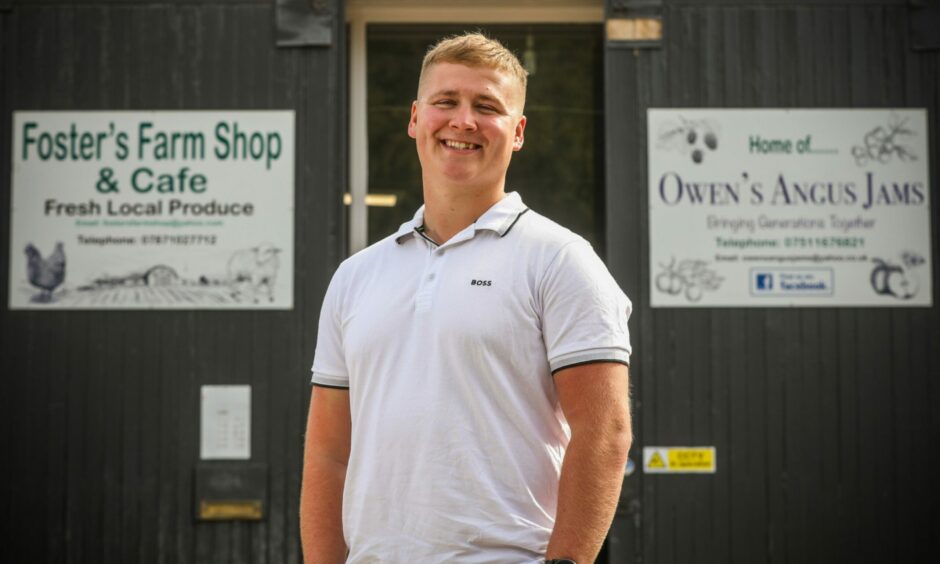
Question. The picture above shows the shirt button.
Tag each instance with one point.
(431, 276)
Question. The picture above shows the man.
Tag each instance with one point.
(470, 399)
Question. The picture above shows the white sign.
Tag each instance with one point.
(679, 460)
(225, 423)
(766, 208)
(152, 210)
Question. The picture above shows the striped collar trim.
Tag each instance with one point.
(500, 218)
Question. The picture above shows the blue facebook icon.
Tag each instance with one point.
(765, 281)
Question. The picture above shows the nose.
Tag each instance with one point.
(462, 119)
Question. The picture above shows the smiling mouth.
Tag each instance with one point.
(460, 145)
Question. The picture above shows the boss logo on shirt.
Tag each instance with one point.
(481, 282)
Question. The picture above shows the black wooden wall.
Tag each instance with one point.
(99, 411)
(826, 421)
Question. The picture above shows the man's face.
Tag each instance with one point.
(466, 123)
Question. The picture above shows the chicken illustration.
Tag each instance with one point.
(46, 274)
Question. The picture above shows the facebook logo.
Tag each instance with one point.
(765, 281)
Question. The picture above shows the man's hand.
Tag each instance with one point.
(326, 453)
(595, 400)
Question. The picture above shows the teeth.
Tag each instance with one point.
(459, 145)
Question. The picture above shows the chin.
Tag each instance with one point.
(459, 175)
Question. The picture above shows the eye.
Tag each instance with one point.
(444, 102)
(487, 109)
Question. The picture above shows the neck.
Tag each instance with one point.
(449, 209)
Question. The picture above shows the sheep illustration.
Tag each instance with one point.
(253, 271)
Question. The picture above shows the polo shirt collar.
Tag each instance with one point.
(500, 218)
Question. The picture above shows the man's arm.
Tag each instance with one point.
(326, 453)
(595, 400)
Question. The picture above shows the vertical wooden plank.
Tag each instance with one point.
(803, 438)
(649, 86)
(910, 513)
(799, 360)
(915, 342)
(745, 525)
(135, 438)
(849, 492)
(629, 78)
(277, 429)
(876, 467)
(9, 39)
(741, 531)
(24, 468)
(831, 78)
(186, 398)
(204, 41)
(237, 347)
(133, 371)
(657, 515)
(826, 86)
(678, 403)
(698, 82)
(675, 399)
(644, 363)
(212, 540)
(69, 359)
(149, 81)
(876, 387)
(765, 94)
(757, 505)
(19, 468)
(305, 299)
(823, 498)
(170, 477)
(160, 515)
(932, 94)
(679, 400)
(781, 400)
(75, 512)
(700, 501)
(249, 543)
(718, 523)
(808, 447)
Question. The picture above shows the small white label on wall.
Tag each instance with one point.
(225, 423)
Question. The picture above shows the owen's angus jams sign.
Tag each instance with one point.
(789, 208)
(129, 210)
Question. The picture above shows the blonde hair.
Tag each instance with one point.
(475, 50)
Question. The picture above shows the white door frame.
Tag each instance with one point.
(360, 13)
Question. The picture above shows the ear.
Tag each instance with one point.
(520, 135)
(412, 123)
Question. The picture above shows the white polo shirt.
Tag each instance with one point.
(448, 353)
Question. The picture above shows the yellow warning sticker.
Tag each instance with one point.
(656, 461)
(679, 460)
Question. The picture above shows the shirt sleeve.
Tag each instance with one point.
(584, 311)
(329, 360)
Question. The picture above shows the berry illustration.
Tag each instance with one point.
(695, 138)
